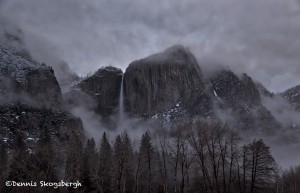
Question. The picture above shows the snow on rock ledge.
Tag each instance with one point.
(27, 81)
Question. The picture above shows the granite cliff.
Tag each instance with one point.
(103, 87)
(25, 81)
(159, 82)
(31, 101)
(292, 95)
(242, 98)
(170, 86)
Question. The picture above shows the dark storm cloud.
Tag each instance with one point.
(258, 37)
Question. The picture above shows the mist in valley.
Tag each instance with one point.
(76, 38)
(258, 38)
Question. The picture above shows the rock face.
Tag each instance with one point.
(25, 81)
(159, 82)
(263, 91)
(234, 90)
(103, 86)
(167, 85)
(29, 124)
(12, 37)
(27, 90)
(292, 95)
(243, 100)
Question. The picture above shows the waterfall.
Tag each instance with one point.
(121, 106)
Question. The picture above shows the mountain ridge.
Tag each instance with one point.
(167, 86)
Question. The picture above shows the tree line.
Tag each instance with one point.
(203, 157)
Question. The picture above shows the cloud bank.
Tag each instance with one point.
(258, 37)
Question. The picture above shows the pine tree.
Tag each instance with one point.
(89, 158)
(42, 162)
(147, 153)
(46, 158)
(122, 159)
(104, 168)
(119, 161)
(128, 168)
(74, 159)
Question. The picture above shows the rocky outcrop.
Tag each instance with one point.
(159, 82)
(167, 85)
(292, 95)
(25, 81)
(29, 124)
(242, 98)
(30, 101)
(263, 91)
(104, 87)
(234, 90)
(12, 37)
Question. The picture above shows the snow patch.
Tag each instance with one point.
(16, 66)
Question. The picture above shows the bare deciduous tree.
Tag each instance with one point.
(260, 170)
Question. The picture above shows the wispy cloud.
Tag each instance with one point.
(258, 37)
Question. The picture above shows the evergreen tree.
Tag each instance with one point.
(122, 159)
(147, 153)
(89, 158)
(104, 168)
(46, 158)
(119, 161)
(42, 162)
(74, 159)
(128, 167)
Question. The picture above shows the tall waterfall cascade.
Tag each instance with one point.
(121, 106)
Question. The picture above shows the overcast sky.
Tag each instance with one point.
(259, 37)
